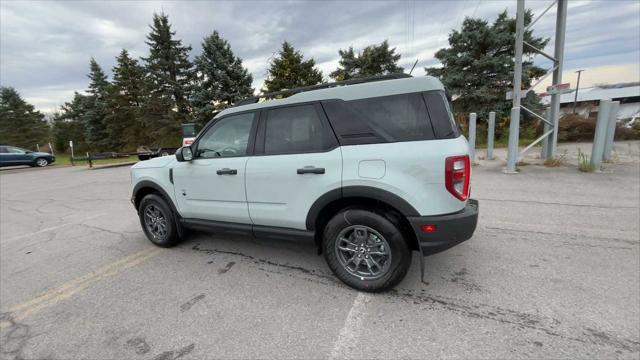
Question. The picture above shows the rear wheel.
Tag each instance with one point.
(365, 250)
(41, 162)
(157, 221)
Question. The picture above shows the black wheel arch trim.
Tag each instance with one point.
(150, 184)
(368, 192)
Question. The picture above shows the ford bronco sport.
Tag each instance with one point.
(368, 169)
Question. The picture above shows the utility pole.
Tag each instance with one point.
(558, 55)
(514, 125)
(575, 99)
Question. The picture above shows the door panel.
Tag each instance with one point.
(203, 194)
(297, 161)
(279, 196)
(211, 186)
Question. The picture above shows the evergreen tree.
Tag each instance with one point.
(288, 70)
(69, 124)
(221, 80)
(170, 73)
(127, 93)
(477, 67)
(96, 131)
(20, 123)
(374, 60)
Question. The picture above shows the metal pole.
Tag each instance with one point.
(514, 126)
(561, 23)
(38, 147)
(575, 98)
(490, 134)
(611, 130)
(600, 135)
(512, 157)
(545, 141)
(472, 136)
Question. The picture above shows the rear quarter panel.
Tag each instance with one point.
(413, 170)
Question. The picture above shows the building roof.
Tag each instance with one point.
(350, 92)
(596, 93)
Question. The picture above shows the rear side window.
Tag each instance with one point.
(444, 125)
(392, 118)
(295, 129)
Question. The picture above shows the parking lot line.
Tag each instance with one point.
(74, 286)
(52, 228)
(349, 332)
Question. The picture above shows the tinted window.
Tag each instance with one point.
(393, 118)
(444, 125)
(227, 137)
(3, 150)
(294, 129)
(15, 150)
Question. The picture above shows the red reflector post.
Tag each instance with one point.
(428, 228)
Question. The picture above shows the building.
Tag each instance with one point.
(589, 99)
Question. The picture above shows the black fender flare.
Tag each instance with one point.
(150, 184)
(368, 192)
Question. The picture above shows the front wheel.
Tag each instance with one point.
(41, 162)
(365, 250)
(157, 221)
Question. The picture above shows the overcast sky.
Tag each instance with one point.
(45, 46)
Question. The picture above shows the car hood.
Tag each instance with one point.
(158, 162)
(36, 153)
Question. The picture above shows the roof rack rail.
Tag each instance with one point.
(255, 99)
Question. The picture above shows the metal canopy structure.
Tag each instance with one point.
(550, 133)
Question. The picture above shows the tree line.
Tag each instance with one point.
(147, 99)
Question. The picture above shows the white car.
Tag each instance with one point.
(369, 169)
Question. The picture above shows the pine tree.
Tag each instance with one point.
(127, 93)
(69, 124)
(96, 136)
(374, 60)
(477, 67)
(170, 73)
(288, 70)
(20, 123)
(221, 80)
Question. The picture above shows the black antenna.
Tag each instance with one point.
(414, 65)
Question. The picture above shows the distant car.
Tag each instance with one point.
(12, 156)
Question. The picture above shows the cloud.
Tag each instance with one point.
(45, 46)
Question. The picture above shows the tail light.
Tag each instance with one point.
(456, 173)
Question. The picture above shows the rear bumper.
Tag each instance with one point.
(451, 229)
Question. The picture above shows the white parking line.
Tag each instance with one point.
(352, 325)
(51, 228)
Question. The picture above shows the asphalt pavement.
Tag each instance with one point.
(553, 271)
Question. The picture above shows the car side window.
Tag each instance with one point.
(226, 138)
(14, 150)
(293, 129)
(3, 149)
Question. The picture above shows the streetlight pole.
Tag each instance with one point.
(575, 99)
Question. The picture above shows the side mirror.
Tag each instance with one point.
(184, 154)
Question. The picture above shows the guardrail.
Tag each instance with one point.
(91, 157)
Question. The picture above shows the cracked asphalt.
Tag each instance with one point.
(553, 271)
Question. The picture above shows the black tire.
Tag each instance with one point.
(41, 162)
(153, 203)
(400, 255)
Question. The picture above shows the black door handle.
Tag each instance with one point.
(311, 170)
(227, 171)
